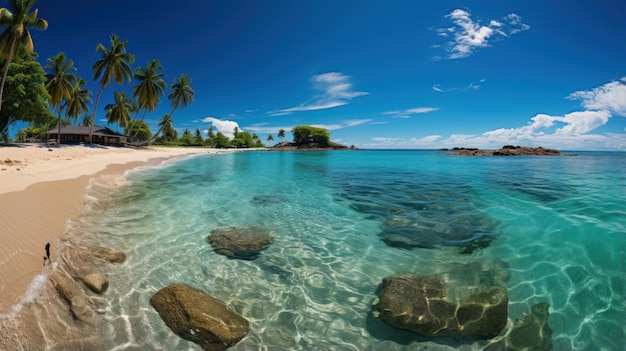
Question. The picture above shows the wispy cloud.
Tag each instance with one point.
(344, 124)
(382, 142)
(336, 90)
(468, 35)
(410, 112)
(264, 128)
(470, 87)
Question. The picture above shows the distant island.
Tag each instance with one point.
(310, 138)
(507, 150)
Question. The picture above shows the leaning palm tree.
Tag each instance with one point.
(59, 83)
(114, 64)
(119, 112)
(270, 137)
(181, 95)
(150, 88)
(281, 134)
(77, 103)
(16, 35)
(168, 129)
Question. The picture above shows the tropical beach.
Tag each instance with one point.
(438, 178)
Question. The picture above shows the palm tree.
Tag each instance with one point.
(270, 137)
(59, 83)
(150, 88)
(77, 103)
(281, 134)
(119, 112)
(16, 34)
(114, 64)
(181, 95)
(168, 130)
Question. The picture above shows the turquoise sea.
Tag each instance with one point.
(553, 228)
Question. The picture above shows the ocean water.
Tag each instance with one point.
(550, 229)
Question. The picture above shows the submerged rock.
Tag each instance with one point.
(530, 332)
(268, 199)
(96, 282)
(241, 242)
(445, 223)
(198, 317)
(108, 254)
(421, 304)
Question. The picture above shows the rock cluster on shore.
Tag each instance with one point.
(507, 150)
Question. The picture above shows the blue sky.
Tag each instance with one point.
(377, 74)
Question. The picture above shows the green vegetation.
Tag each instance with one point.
(32, 94)
(15, 38)
(139, 128)
(26, 98)
(307, 135)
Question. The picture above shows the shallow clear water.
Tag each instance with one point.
(554, 226)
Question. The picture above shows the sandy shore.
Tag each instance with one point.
(42, 188)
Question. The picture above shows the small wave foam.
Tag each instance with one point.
(32, 293)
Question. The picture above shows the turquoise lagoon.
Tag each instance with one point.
(554, 227)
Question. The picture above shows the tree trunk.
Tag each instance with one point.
(6, 70)
(137, 130)
(93, 116)
(59, 133)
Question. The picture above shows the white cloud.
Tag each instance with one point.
(223, 126)
(336, 90)
(412, 111)
(577, 123)
(425, 141)
(468, 35)
(610, 96)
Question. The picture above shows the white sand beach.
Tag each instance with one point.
(41, 188)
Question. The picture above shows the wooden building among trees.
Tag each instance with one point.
(80, 134)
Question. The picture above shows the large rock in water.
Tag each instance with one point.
(198, 317)
(419, 304)
(241, 242)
